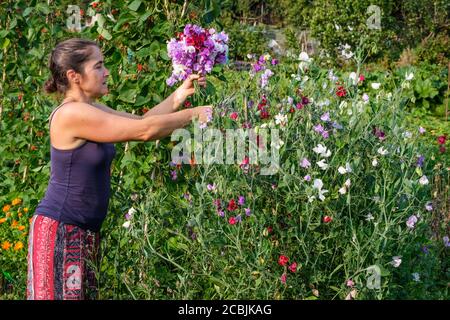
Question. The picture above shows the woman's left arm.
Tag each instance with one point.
(169, 105)
(174, 101)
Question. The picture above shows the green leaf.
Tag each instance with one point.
(142, 100)
(104, 33)
(128, 96)
(134, 6)
(6, 43)
(27, 11)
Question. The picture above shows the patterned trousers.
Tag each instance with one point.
(62, 261)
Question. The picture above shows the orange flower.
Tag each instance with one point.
(14, 224)
(16, 201)
(2, 220)
(6, 245)
(6, 208)
(18, 246)
(21, 228)
(20, 214)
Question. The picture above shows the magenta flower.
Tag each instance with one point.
(283, 278)
(241, 200)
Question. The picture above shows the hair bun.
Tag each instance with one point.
(50, 86)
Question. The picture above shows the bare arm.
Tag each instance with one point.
(84, 121)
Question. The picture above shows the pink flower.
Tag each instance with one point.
(234, 116)
(350, 283)
(282, 260)
(283, 278)
(293, 267)
(327, 219)
(232, 220)
(441, 139)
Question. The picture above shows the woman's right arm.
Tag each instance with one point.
(83, 121)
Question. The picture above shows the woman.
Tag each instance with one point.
(64, 232)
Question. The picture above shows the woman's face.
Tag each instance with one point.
(94, 80)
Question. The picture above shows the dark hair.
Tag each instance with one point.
(69, 54)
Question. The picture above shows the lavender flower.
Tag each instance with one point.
(196, 51)
(411, 222)
(247, 212)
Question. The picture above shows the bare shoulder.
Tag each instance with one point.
(61, 136)
(77, 121)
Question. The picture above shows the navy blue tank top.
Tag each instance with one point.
(79, 188)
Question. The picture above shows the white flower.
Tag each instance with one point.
(345, 170)
(407, 135)
(369, 217)
(343, 190)
(354, 77)
(342, 170)
(278, 143)
(318, 184)
(375, 85)
(429, 206)
(304, 57)
(132, 211)
(422, 130)
(423, 180)
(322, 150)
(416, 277)
(409, 76)
(126, 224)
(281, 119)
(374, 162)
(322, 164)
(190, 49)
(347, 183)
(365, 97)
(382, 151)
(396, 261)
(311, 199)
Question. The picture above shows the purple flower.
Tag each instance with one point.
(379, 134)
(241, 200)
(446, 241)
(425, 249)
(211, 187)
(307, 177)
(196, 50)
(337, 125)
(305, 100)
(174, 174)
(325, 117)
(274, 62)
(420, 161)
(238, 218)
(221, 213)
(411, 222)
(247, 212)
(305, 163)
(325, 134)
(319, 128)
(250, 103)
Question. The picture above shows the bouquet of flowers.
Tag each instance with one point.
(196, 50)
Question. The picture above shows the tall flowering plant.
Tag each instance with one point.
(196, 50)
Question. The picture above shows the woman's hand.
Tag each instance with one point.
(187, 88)
(204, 113)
